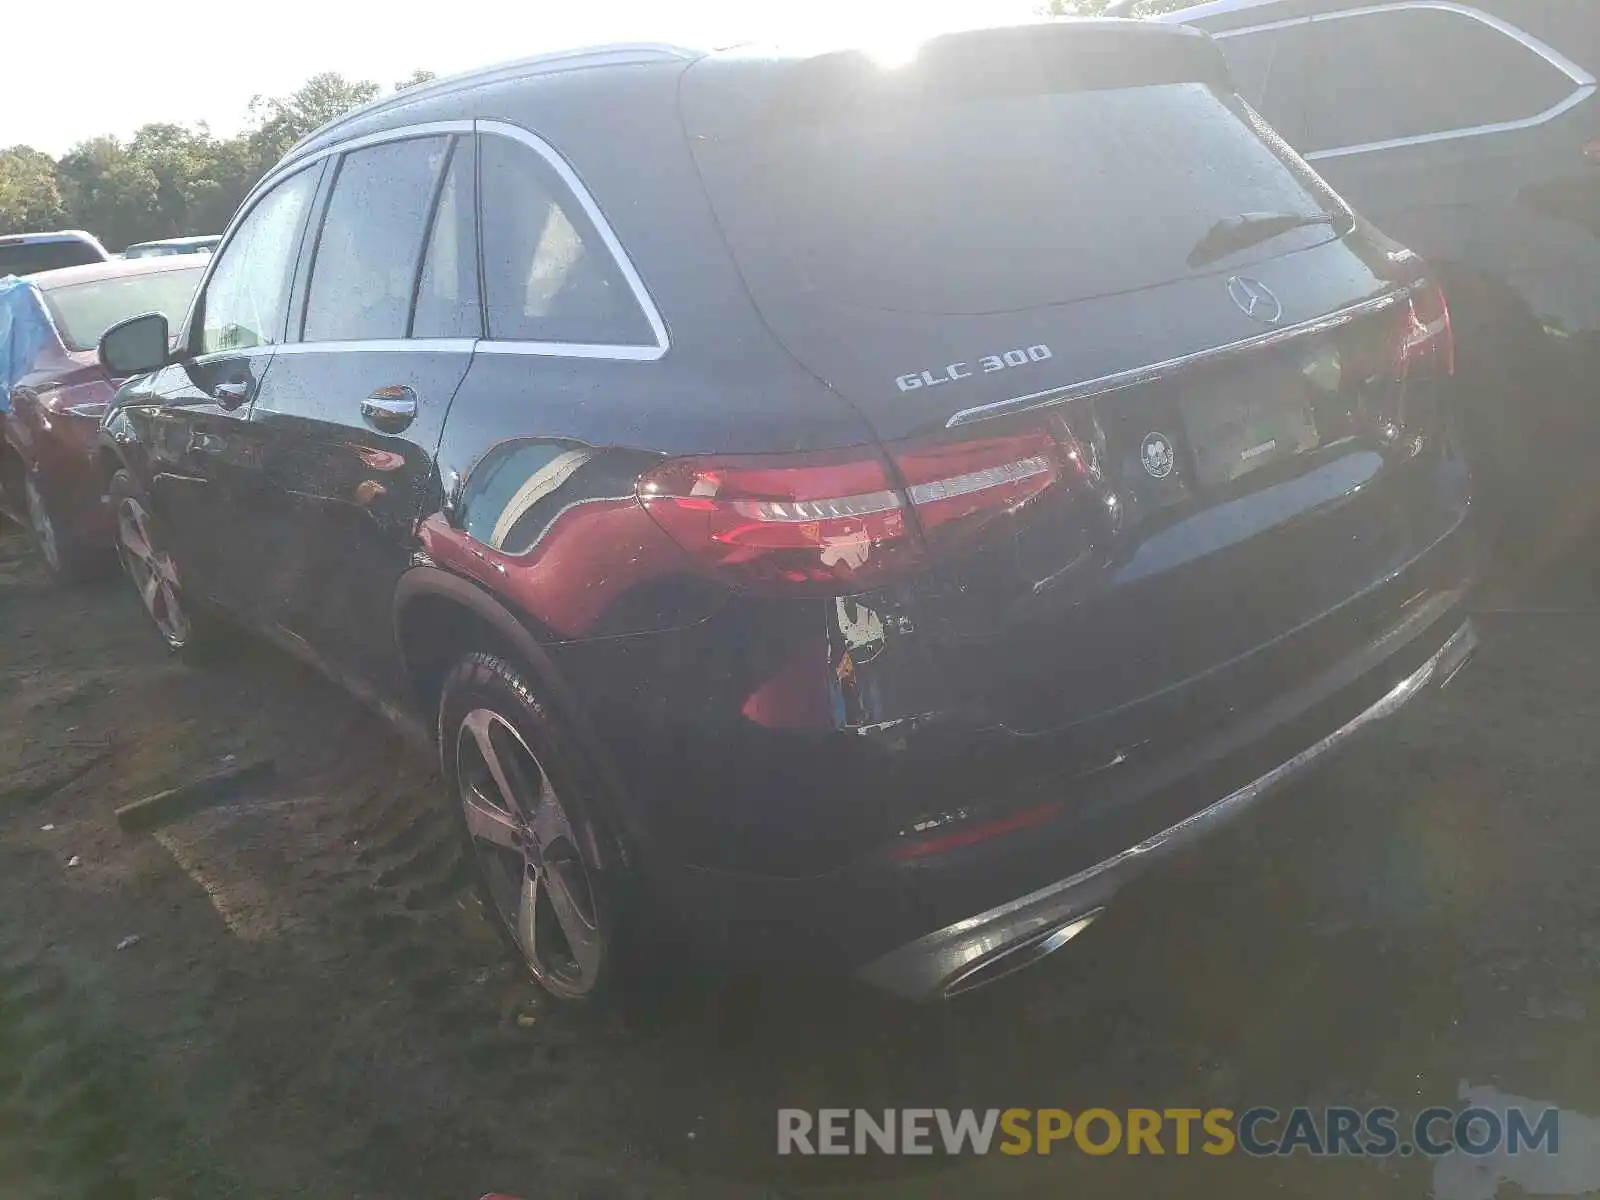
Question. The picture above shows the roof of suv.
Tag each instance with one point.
(621, 54)
(738, 60)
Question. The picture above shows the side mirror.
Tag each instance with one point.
(135, 346)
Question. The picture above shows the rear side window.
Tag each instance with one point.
(1373, 85)
(371, 241)
(24, 258)
(447, 293)
(998, 203)
(548, 276)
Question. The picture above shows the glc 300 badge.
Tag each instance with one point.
(986, 365)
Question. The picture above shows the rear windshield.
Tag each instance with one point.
(992, 204)
(24, 258)
(84, 311)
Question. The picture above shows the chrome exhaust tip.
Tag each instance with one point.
(1017, 955)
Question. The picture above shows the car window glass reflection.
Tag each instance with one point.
(447, 294)
(367, 250)
(248, 293)
(548, 276)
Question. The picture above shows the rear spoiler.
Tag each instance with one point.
(730, 95)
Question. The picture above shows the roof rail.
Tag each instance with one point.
(619, 54)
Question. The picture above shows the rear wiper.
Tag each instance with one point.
(1249, 229)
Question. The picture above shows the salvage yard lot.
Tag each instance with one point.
(315, 1006)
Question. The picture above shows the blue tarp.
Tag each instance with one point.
(24, 331)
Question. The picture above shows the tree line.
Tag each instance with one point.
(168, 180)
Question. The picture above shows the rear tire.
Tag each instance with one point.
(550, 876)
(183, 626)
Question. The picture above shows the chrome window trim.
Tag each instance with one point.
(446, 346)
(1148, 374)
(1223, 35)
(388, 345)
(1584, 82)
(569, 178)
(573, 350)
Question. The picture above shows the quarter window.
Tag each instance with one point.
(548, 276)
(1374, 86)
(371, 240)
(247, 297)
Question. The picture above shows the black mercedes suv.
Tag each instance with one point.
(819, 510)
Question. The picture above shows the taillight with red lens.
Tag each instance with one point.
(960, 487)
(836, 522)
(1426, 337)
(829, 523)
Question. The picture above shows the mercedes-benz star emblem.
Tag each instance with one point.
(1156, 455)
(1255, 299)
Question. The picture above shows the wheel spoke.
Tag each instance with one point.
(583, 939)
(176, 623)
(490, 824)
(527, 923)
(163, 566)
(550, 822)
(134, 537)
(480, 724)
(149, 587)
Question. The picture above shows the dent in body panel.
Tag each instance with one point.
(555, 527)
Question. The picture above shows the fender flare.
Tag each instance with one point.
(421, 582)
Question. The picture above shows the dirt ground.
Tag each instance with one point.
(316, 1007)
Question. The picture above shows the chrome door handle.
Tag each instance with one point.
(232, 393)
(390, 409)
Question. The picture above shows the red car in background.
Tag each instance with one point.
(49, 480)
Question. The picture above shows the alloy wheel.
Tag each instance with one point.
(153, 573)
(528, 854)
(44, 530)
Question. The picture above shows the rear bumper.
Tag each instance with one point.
(992, 943)
(866, 845)
(930, 925)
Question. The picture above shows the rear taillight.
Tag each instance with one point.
(1426, 338)
(839, 522)
(828, 522)
(959, 488)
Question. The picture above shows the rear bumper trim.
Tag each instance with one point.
(927, 968)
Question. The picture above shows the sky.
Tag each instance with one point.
(114, 65)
